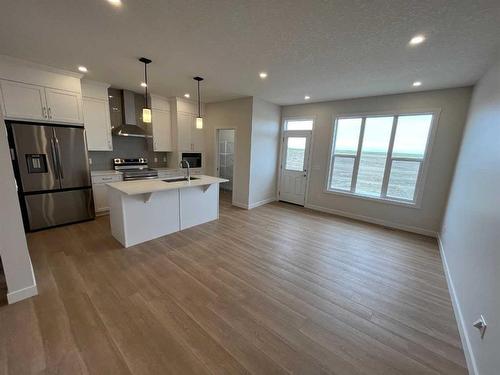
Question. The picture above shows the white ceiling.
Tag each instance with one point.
(325, 49)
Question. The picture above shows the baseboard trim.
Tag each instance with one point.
(240, 205)
(368, 219)
(261, 203)
(253, 205)
(464, 336)
(19, 295)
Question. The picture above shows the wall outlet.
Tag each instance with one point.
(481, 325)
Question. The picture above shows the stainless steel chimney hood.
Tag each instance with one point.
(126, 110)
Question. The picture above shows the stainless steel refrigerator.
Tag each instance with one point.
(52, 172)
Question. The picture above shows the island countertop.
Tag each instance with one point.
(151, 186)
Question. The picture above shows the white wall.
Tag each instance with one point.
(232, 114)
(13, 248)
(471, 227)
(427, 219)
(264, 152)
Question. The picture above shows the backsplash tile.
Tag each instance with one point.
(127, 147)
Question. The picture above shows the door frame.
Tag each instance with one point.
(310, 153)
(216, 158)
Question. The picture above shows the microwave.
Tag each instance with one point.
(193, 158)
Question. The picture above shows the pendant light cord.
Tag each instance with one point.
(199, 106)
(146, 82)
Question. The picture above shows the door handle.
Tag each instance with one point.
(58, 152)
(54, 157)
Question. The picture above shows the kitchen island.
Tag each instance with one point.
(146, 209)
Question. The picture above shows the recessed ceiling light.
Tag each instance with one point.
(116, 3)
(417, 83)
(263, 75)
(417, 39)
(187, 95)
(82, 69)
(307, 97)
(144, 84)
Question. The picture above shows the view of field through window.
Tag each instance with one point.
(408, 150)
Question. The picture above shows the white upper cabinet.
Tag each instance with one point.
(64, 106)
(185, 122)
(188, 137)
(97, 120)
(20, 100)
(162, 130)
(38, 93)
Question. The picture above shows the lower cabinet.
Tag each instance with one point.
(101, 191)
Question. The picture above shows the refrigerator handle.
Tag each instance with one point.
(58, 152)
(54, 157)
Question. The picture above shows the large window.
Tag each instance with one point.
(380, 157)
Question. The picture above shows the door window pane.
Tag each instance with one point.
(347, 136)
(373, 155)
(411, 136)
(403, 179)
(295, 153)
(299, 125)
(342, 173)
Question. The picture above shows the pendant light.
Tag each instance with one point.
(199, 119)
(146, 111)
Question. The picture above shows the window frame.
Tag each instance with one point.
(383, 198)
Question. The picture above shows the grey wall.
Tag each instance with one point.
(126, 147)
(471, 227)
(265, 140)
(231, 114)
(453, 103)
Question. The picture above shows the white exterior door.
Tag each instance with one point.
(294, 164)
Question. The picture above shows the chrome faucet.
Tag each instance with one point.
(188, 171)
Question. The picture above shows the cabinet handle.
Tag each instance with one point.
(107, 178)
(50, 113)
(44, 112)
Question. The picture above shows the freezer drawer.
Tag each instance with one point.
(63, 207)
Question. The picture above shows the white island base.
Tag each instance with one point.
(144, 210)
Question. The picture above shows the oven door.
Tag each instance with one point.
(193, 158)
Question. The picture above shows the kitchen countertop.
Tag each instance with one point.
(151, 186)
(104, 172)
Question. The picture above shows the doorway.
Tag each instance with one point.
(294, 164)
(225, 161)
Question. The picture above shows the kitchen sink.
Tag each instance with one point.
(180, 179)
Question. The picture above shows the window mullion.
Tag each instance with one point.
(388, 160)
(358, 156)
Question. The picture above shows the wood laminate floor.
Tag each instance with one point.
(278, 289)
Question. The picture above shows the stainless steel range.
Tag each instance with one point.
(134, 169)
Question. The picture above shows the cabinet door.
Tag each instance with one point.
(185, 123)
(100, 197)
(162, 130)
(97, 124)
(64, 106)
(23, 101)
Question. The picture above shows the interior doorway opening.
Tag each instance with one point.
(225, 161)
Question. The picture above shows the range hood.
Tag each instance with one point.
(126, 114)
